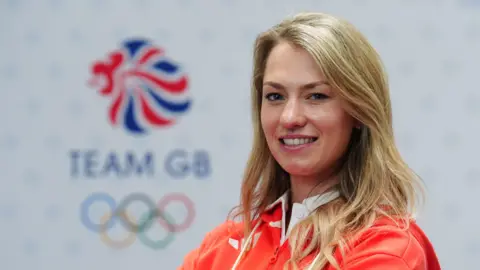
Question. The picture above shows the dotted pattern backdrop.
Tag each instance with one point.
(57, 144)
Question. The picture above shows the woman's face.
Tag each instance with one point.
(305, 124)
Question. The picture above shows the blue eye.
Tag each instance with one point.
(273, 96)
(318, 96)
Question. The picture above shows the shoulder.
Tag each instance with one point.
(393, 238)
(226, 230)
(390, 242)
(210, 244)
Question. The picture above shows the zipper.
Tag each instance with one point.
(273, 259)
(277, 251)
(275, 254)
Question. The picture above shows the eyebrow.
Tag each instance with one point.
(279, 86)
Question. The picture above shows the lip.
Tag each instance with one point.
(296, 136)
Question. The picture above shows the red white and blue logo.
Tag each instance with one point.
(147, 90)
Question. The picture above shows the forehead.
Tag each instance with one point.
(291, 65)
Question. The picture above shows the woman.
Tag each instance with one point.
(325, 186)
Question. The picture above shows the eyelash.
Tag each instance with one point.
(319, 96)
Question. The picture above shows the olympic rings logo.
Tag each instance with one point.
(137, 230)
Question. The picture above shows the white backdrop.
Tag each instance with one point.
(58, 146)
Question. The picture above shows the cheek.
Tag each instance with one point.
(335, 125)
(341, 132)
(267, 118)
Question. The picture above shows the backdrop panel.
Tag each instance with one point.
(116, 107)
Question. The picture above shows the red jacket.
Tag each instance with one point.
(384, 246)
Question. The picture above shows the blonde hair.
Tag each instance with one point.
(374, 180)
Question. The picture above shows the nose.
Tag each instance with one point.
(292, 115)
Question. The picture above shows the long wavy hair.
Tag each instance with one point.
(374, 180)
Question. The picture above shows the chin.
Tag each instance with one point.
(298, 169)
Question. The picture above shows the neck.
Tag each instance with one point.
(304, 187)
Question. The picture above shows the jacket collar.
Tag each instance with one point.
(311, 203)
(276, 216)
(282, 200)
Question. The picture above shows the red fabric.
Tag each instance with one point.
(382, 246)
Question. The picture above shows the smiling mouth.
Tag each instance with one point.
(297, 141)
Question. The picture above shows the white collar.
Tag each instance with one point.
(311, 202)
(301, 210)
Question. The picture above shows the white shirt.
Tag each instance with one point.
(301, 210)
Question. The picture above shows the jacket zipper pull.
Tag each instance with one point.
(273, 259)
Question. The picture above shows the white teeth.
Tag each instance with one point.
(298, 141)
